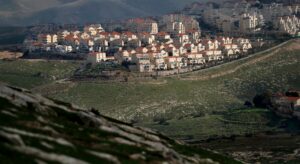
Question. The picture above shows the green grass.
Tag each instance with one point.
(180, 101)
(236, 122)
(28, 74)
(177, 106)
(180, 98)
(97, 69)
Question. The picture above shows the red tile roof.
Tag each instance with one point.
(114, 33)
(128, 33)
(293, 99)
(144, 33)
(162, 34)
(104, 33)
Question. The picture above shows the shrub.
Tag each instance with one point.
(262, 100)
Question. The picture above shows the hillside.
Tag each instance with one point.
(199, 100)
(34, 129)
(11, 36)
(203, 105)
(33, 73)
(202, 100)
(28, 12)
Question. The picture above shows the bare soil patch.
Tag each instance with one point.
(10, 55)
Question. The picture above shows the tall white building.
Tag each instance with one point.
(249, 23)
(176, 28)
(189, 22)
(47, 38)
(288, 24)
(139, 25)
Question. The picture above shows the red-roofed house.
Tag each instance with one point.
(47, 38)
(128, 36)
(181, 39)
(114, 36)
(163, 36)
(200, 47)
(85, 36)
(123, 56)
(195, 58)
(225, 40)
(174, 62)
(194, 35)
(288, 105)
(243, 43)
(103, 35)
(172, 51)
(141, 50)
(211, 44)
(160, 64)
(96, 57)
(117, 43)
(211, 55)
(134, 43)
(143, 63)
(230, 49)
(146, 38)
(93, 29)
(191, 48)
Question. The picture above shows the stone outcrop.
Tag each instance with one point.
(39, 130)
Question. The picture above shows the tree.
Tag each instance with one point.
(292, 94)
(248, 104)
(262, 100)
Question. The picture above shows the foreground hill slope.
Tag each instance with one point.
(38, 130)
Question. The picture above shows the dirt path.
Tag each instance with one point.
(253, 59)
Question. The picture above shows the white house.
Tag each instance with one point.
(96, 57)
(143, 63)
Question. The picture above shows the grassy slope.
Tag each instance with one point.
(187, 104)
(171, 105)
(28, 74)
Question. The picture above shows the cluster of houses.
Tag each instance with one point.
(167, 55)
(289, 24)
(147, 45)
(248, 16)
(288, 104)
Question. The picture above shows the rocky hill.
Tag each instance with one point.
(34, 129)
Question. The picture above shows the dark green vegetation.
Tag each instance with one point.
(30, 74)
(34, 129)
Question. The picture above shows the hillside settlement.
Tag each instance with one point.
(174, 41)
